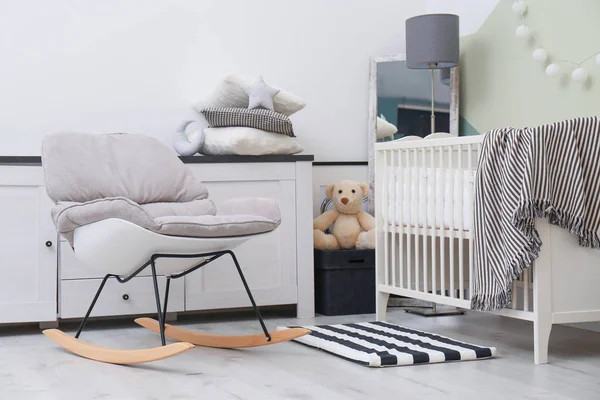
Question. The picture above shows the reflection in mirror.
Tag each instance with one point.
(404, 101)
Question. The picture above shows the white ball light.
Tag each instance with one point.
(519, 7)
(523, 31)
(579, 75)
(598, 60)
(540, 55)
(552, 70)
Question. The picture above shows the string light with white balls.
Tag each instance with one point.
(540, 55)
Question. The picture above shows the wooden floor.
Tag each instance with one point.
(32, 367)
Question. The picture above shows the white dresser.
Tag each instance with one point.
(42, 281)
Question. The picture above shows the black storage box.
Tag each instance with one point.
(344, 282)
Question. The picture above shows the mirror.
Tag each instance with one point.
(400, 103)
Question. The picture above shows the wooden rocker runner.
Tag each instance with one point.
(146, 208)
(112, 356)
(222, 341)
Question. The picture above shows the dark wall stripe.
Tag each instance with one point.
(339, 163)
(197, 159)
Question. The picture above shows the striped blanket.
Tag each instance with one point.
(550, 171)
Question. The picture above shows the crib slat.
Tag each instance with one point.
(461, 224)
(394, 264)
(442, 229)
(433, 224)
(426, 230)
(417, 222)
(452, 243)
(386, 219)
(409, 229)
(471, 244)
(526, 290)
(400, 213)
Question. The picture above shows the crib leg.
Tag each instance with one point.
(381, 303)
(541, 338)
(542, 298)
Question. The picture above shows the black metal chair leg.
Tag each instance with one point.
(89, 311)
(256, 310)
(167, 287)
(161, 319)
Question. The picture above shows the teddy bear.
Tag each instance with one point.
(352, 227)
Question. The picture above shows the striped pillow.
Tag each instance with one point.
(266, 120)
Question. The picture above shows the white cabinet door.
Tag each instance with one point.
(27, 265)
(135, 297)
(268, 261)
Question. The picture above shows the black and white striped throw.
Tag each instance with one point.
(266, 120)
(382, 344)
(550, 171)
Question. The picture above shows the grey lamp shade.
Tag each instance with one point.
(432, 41)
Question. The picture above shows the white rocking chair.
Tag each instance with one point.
(126, 203)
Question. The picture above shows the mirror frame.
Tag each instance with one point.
(372, 139)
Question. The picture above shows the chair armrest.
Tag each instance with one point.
(259, 206)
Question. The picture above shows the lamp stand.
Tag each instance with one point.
(432, 102)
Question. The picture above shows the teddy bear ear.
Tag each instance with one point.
(329, 190)
(365, 189)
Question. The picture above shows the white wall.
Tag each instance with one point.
(471, 13)
(138, 65)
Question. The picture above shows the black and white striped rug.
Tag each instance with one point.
(381, 344)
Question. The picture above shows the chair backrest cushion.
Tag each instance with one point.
(80, 167)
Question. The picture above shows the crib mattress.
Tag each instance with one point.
(430, 198)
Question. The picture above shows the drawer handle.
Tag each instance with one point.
(48, 243)
(125, 296)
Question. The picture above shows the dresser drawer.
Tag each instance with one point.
(133, 297)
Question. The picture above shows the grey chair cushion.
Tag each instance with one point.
(213, 226)
(195, 219)
(136, 178)
(82, 167)
(195, 207)
(264, 207)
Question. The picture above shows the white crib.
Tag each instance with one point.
(425, 244)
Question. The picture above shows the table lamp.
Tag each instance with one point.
(445, 76)
(432, 43)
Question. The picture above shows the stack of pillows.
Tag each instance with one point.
(249, 118)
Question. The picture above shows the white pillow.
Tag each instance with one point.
(230, 93)
(239, 140)
(384, 128)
